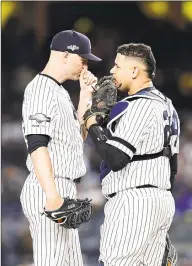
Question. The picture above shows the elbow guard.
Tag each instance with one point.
(114, 157)
(97, 134)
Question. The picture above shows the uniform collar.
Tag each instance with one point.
(51, 78)
(143, 91)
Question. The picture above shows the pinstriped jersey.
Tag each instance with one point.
(144, 124)
(47, 109)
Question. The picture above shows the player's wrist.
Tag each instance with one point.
(85, 96)
(90, 121)
(52, 195)
(54, 203)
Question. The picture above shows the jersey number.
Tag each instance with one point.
(170, 129)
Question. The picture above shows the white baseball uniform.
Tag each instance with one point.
(137, 219)
(48, 110)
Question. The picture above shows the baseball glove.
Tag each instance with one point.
(103, 99)
(72, 214)
(170, 255)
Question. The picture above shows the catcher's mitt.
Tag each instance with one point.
(103, 99)
(72, 214)
(170, 255)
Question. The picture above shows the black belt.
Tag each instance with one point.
(143, 186)
(77, 180)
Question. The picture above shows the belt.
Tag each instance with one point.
(143, 186)
(77, 180)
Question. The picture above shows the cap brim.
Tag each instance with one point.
(91, 57)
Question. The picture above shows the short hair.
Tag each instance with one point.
(141, 51)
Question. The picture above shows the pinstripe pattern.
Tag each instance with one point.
(45, 96)
(143, 127)
(53, 245)
(135, 227)
(137, 220)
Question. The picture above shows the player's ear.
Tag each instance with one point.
(65, 55)
(135, 72)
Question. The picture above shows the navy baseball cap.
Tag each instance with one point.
(73, 42)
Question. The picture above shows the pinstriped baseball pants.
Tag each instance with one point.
(53, 245)
(135, 227)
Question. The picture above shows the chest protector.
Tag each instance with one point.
(121, 107)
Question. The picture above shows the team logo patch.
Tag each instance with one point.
(39, 117)
(73, 47)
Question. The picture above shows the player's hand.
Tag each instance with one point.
(54, 203)
(87, 81)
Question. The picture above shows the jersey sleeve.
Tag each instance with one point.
(39, 109)
(133, 126)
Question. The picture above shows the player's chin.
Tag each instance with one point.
(119, 86)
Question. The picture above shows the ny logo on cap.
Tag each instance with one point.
(73, 47)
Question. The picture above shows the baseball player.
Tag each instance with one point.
(55, 152)
(139, 152)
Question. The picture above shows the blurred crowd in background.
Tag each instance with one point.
(27, 29)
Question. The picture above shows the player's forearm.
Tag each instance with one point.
(114, 157)
(44, 172)
(85, 98)
(91, 121)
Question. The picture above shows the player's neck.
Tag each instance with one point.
(139, 87)
(54, 73)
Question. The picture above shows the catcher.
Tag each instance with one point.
(102, 108)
